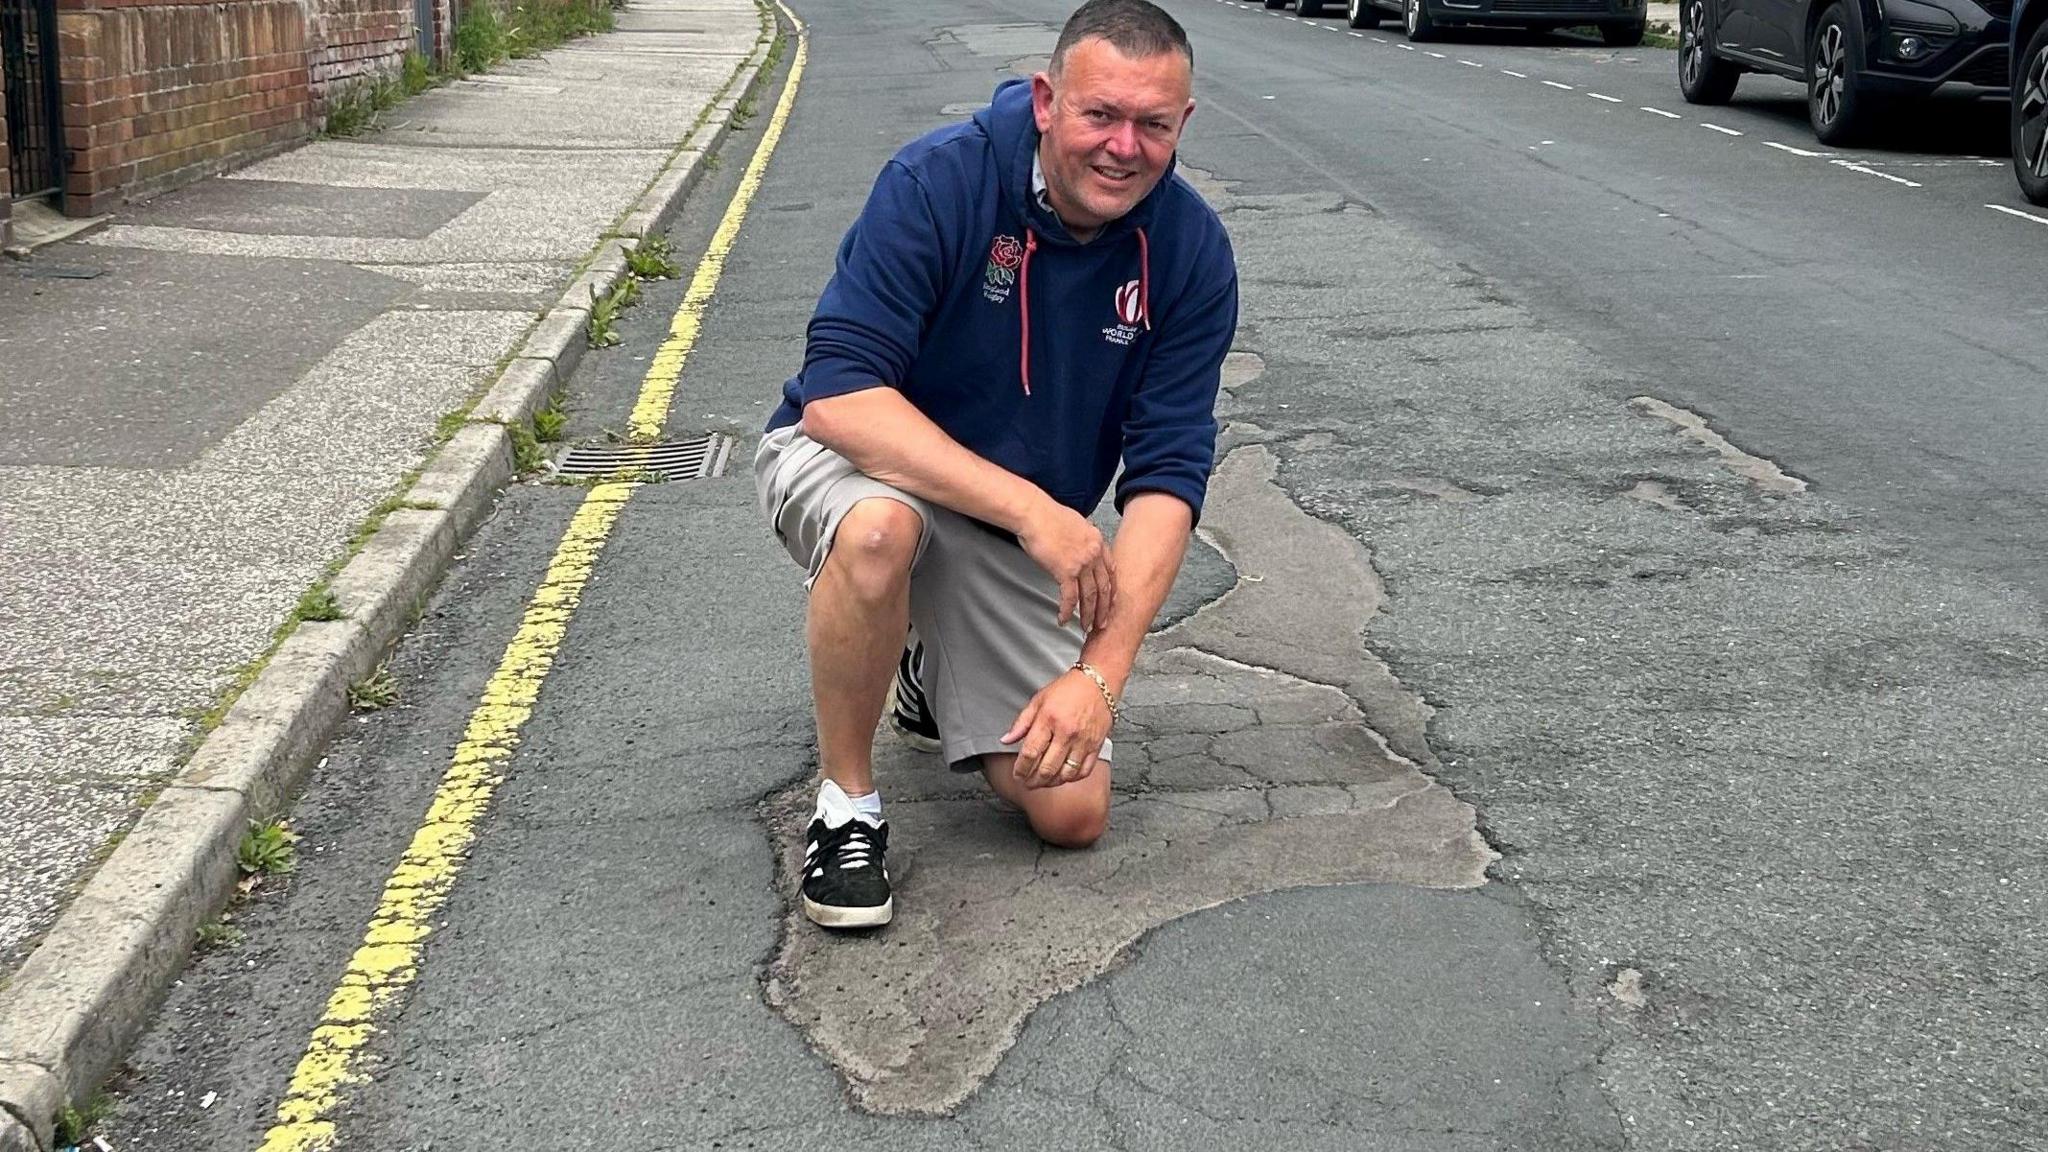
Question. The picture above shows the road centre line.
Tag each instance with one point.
(1663, 113)
(1471, 63)
(386, 964)
(1874, 172)
(2018, 213)
(1438, 55)
(1377, 40)
(1360, 35)
(1516, 75)
(1405, 47)
(1718, 128)
(1564, 87)
(1796, 151)
(1597, 96)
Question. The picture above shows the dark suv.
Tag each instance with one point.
(1851, 54)
(1621, 22)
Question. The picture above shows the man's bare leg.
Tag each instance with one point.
(859, 615)
(1071, 815)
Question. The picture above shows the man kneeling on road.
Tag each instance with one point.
(1026, 300)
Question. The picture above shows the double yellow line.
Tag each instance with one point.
(336, 1059)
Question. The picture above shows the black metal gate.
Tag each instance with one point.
(35, 130)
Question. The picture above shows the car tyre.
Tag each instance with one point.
(1363, 14)
(1624, 35)
(1703, 78)
(2030, 119)
(1416, 20)
(1276, 3)
(1840, 109)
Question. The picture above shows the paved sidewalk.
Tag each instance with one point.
(205, 400)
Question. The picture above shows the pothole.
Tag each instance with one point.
(1242, 768)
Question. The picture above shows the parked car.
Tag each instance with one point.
(1852, 55)
(2030, 98)
(1621, 22)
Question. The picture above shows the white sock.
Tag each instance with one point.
(835, 807)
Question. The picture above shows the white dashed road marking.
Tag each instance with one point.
(1517, 75)
(1555, 84)
(2018, 213)
(1795, 151)
(1597, 96)
(1471, 63)
(1874, 172)
(1718, 128)
(1663, 113)
(1438, 55)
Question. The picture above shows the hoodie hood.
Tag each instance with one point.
(1013, 132)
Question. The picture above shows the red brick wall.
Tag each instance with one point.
(160, 94)
(356, 40)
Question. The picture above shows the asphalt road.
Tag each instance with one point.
(1761, 762)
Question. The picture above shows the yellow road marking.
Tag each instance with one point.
(387, 961)
(650, 412)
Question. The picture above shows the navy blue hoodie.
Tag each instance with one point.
(1050, 358)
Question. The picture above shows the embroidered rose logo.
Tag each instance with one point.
(1006, 252)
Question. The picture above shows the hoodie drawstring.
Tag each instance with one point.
(1024, 302)
(1144, 279)
(1024, 296)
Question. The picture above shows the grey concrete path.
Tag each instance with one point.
(206, 399)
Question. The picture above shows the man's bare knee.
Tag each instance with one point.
(1075, 823)
(876, 541)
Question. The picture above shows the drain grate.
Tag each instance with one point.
(693, 459)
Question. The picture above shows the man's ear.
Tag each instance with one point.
(1041, 101)
(1187, 115)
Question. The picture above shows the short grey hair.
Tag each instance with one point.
(1137, 28)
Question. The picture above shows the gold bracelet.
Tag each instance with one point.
(1116, 710)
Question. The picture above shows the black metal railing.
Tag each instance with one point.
(35, 129)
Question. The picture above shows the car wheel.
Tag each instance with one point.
(2030, 119)
(1276, 3)
(1703, 78)
(1835, 100)
(1309, 7)
(1416, 21)
(1624, 35)
(1364, 14)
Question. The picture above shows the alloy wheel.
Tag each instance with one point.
(1692, 46)
(1411, 15)
(1829, 73)
(2033, 113)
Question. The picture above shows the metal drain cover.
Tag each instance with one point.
(693, 459)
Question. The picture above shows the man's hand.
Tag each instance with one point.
(1065, 544)
(1063, 729)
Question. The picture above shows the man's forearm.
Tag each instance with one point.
(885, 436)
(1149, 547)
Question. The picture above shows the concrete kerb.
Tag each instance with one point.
(78, 1002)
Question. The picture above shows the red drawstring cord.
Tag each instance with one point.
(1145, 279)
(1024, 301)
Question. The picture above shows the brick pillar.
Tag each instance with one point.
(159, 94)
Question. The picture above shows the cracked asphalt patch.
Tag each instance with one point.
(1231, 780)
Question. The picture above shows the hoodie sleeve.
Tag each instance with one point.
(1170, 428)
(871, 317)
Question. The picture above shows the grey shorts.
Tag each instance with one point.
(985, 611)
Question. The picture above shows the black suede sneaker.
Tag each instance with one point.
(910, 712)
(846, 882)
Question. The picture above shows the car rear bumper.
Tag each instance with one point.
(1538, 11)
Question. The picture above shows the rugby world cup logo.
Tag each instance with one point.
(1130, 304)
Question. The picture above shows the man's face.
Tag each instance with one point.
(1110, 124)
